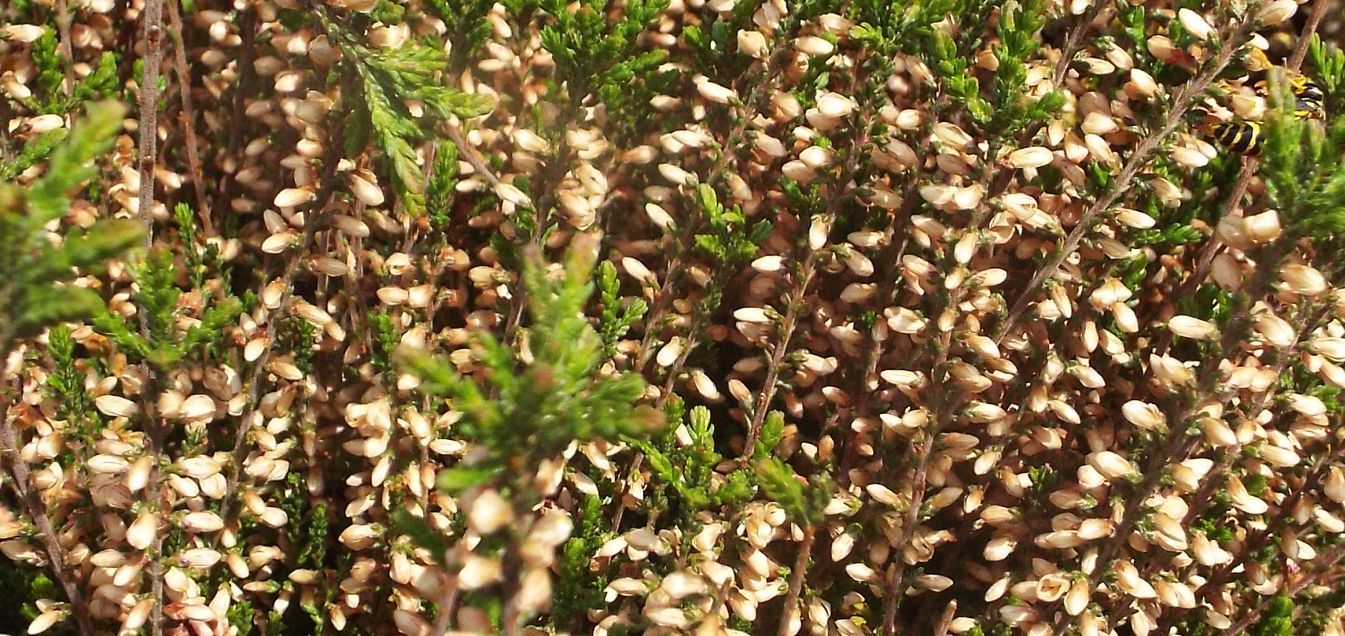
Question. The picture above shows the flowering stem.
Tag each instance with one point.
(313, 222)
(37, 511)
(1185, 98)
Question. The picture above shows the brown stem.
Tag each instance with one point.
(37, 510)
(1295, 60)
(148, 122)
(469, 153)
(1185, 98)
(66, 46)
(941, 412)
(152, 33)
(188, 117)
(796, 577)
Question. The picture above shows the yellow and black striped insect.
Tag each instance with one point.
(1242, 137)
(1308, 97)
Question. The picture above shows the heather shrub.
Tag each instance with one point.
(672, 316)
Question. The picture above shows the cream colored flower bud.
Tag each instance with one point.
(1076, 600)
(1111, 465)
(1207, 552)
(752, 43)
(1194, 328)
(26, 33)
(141, 532)
(1143, 82)
(1335, 485)
(835, 105)
(1275, 330)
(715, 93)
(116, 406)
(1031, 157)
(364, 185)
(1263, 227)
(489, 512)
(1277, 11)
(1302, 279)
(1144, 415)
(813, 45)
(1242, 499)
(202, 522)
(1099, 123)
(1195, 24)
(478, 572)
(294, 197)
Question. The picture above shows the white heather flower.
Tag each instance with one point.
(1275, 330)
(1111, 465)
(293, 197)
(141, 532)
(25, 33)
(478, 572)
(715, 93)
(813, 45)
(1195, 24)
(1335, 485)
(1194, 328)
(1242, 499)
(752, 43)
(1276, 12)
(489, 512)
(1099, 123)
(1031, 157)
(835, 105)
(511, 194)
(1143, 82)
(364, 185)
(116, 406)
(1144, 415)
(1302, 279)
(1135, 219)
(1262, 228)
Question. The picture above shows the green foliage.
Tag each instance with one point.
(383, 336)
(593, 52)
(439, 191)
(803, 501)
(1329, 62)
(685, 474)
(66, 383)
(578, 588)
(466, 19)
(34, 274)
(162, 342)
(1303, 170)
(616, 319)
(381, 81)
(1019, 27)
(730, 240)
(541, 405)
(1278, 619)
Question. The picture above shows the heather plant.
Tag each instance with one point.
(672, 316)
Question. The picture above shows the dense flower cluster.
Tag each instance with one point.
(672, 316)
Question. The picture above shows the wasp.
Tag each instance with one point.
(1244, 137)
(1308, 96)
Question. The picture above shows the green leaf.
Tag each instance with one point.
(460, 478)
